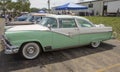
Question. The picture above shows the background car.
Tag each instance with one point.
(27, 19)
(21, 18)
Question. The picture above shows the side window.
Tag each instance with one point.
(84, 23)
(67, 23)
(52, 22)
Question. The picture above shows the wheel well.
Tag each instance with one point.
(34, 42)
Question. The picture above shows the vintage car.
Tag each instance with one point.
(22, 17)
(54, 32)
(30, 19)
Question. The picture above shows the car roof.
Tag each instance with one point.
(39, 14)
(66, 16)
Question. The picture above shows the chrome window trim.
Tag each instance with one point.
(85, 20)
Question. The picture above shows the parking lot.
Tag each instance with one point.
(106, 58)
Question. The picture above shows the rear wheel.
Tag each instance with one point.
(95, 44)
(30, 50)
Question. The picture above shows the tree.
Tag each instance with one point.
(23, 5)
(20, 5)
(34, 9)
(14, 8)
(10, 5)
(26, 7)
(3, 5)
(45, 9)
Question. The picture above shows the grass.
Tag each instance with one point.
(107, 21)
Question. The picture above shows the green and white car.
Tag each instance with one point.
(52, 33)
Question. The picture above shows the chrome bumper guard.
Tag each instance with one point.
(9, 49)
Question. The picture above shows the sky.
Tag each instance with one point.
(43, 3)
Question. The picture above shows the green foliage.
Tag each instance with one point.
(26, 7)
(34, 9)
(10, 5)
(45, 9)
(108, 21)
(19, 6)
(37, 9)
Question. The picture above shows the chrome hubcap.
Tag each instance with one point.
(31, 50)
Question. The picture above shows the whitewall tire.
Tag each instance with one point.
(95, 44)
(30, 50)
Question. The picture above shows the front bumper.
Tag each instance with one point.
(9, 49)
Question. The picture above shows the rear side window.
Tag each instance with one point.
(84, 23)
(67, 23)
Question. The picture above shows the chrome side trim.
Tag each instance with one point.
(73, 32)
(95, 30)
(70, 32)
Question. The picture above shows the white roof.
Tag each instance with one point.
(66, 16)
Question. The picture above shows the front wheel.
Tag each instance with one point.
(95, 44)
(30, 50)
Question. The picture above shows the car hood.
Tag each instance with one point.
(27, 27)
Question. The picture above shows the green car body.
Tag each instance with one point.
(53, 37)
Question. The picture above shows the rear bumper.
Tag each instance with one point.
(9, 49)
(114, 35)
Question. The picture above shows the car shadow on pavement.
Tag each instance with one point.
(15, 62)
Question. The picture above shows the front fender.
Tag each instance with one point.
(17, 38)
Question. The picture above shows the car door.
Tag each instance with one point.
(87, 31)
(67, 33)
